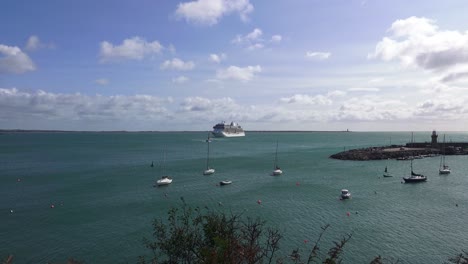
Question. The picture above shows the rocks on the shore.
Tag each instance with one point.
(380, 153)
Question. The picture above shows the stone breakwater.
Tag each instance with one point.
(388, 152)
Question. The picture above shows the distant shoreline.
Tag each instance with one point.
(172, 131)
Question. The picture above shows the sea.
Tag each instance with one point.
(91, 196)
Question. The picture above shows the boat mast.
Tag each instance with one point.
(163, 162)
(208, 153)
(443, 153)
(276, 156)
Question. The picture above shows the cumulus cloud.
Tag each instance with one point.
(55, 106)
(209, 12)
(134, 48)
(315, 55)
(237, 73)
(276, 38)
(363, 89)
(418, 42)
(217, 58)
(254, 40)
(180, 80)
(372, 108)
(34, 43)
(102, 81)
(177, 64)
(13, 60)
(307, 99)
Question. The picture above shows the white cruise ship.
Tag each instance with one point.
(231, 130)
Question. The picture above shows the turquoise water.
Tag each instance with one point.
(101, 186)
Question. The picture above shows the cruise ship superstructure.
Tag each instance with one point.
(224, 130)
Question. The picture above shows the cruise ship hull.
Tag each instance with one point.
(228, 134)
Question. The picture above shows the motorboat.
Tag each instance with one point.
(165, 180)
(345, 194)
(226, 182)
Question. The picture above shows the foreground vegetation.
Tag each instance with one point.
(194, 235)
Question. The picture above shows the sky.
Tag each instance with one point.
(157, 65)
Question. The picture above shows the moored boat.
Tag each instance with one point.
(345, 194)
(414, 177)
(226, 182)
(165, 180)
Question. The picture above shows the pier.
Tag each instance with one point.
(410, 150)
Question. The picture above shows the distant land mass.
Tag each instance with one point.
(156, 131)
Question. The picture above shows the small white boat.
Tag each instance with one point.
(386, 173)
(444, 168)
(208, 170)
(345, 194)
(276, 169)
(225, 182)
(165, 180)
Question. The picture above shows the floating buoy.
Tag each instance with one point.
(52, 206)
(18, 180)
(305, 241)
(11, 211)
(347, 213)
(259, 201)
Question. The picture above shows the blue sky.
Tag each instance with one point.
(367, 65)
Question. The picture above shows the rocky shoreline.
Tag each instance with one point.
(386, 152)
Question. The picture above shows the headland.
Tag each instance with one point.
(412, 150)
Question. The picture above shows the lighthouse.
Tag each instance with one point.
(434, 138)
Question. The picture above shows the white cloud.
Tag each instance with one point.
(102, 81)
(209, 12)
(250, 38)
(318, 55)
(45, 106)
(34, 43)
(13, 60)
(180, 80)
(217, 58)
(276, 38)
(254, 39)
(134, 48)
(307, 99)
(237, 73)
(363, 89)
(177, 64)
(418, 42)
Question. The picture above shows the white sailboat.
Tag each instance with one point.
(386, 173)
(276, 169)
(443, 168)
(165, 180)
(208, 170)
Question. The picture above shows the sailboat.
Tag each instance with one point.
(208, 170)
(165, 180)
(386, 173)
(414, 177)
(443, 169)
(276, 169)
